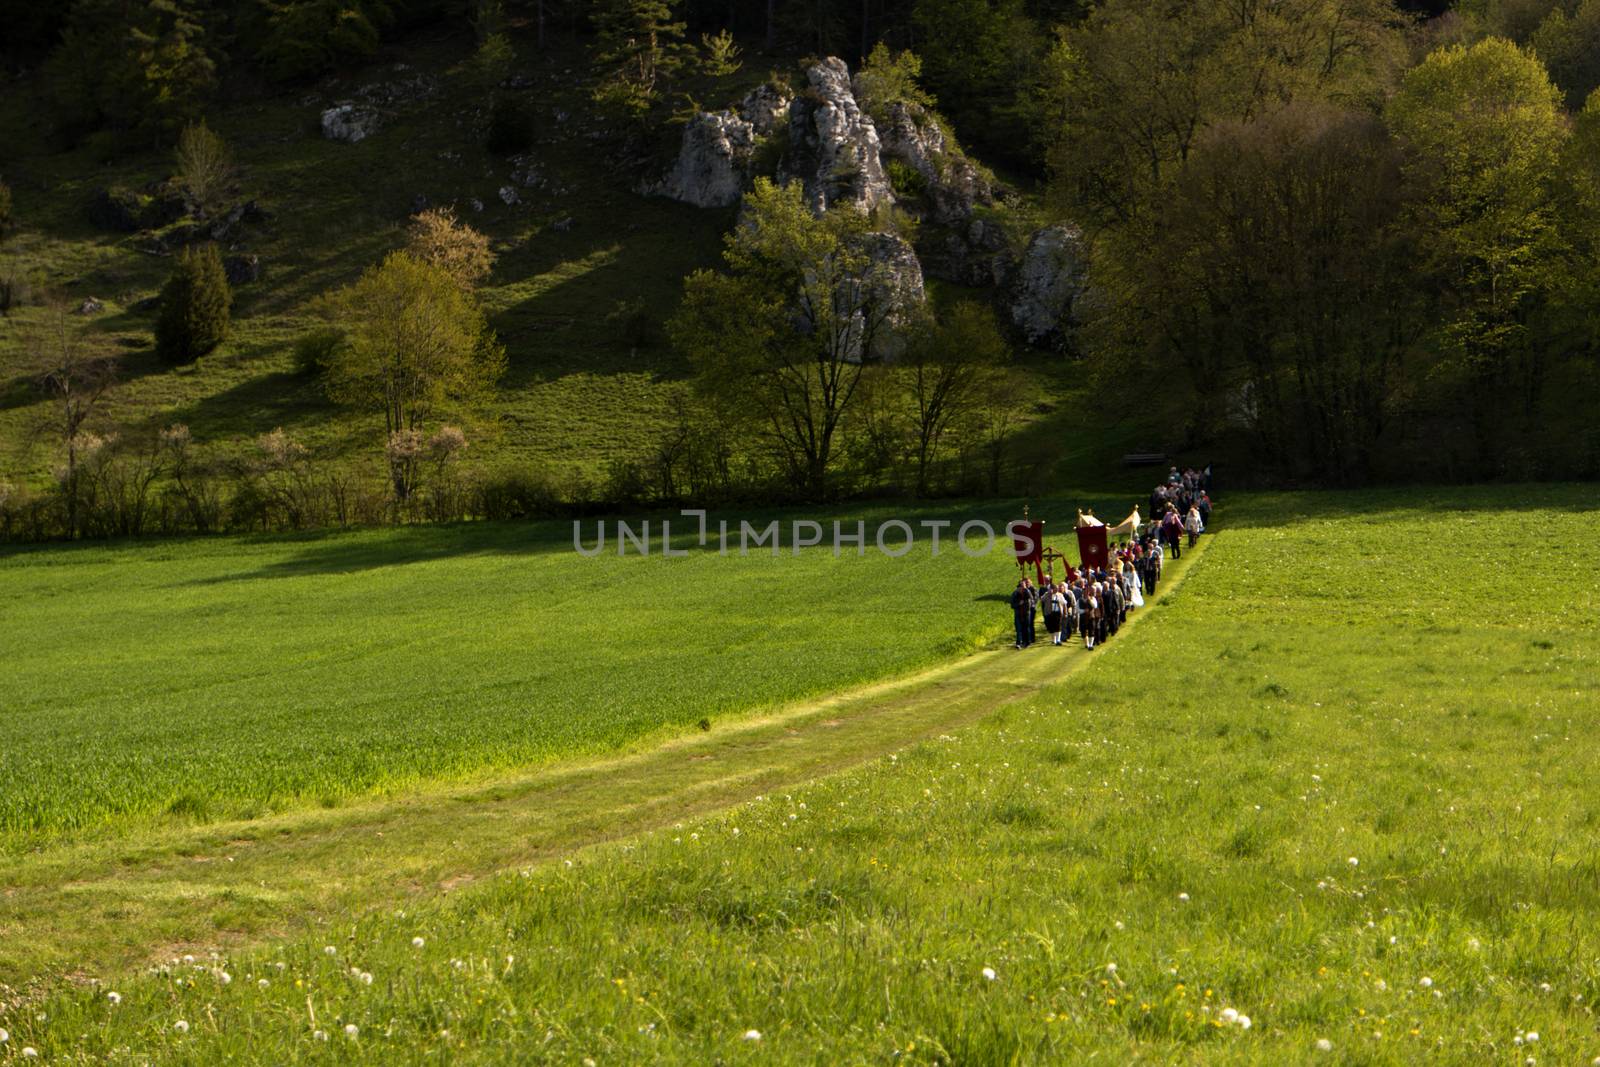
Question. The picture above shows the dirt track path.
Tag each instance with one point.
(101, 908)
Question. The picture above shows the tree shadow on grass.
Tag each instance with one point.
(354, 551)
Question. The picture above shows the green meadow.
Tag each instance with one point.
(230, 678)
(1339, 781)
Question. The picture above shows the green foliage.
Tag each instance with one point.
(1484, 129)
(305, 38)
(639, 47)
(906, 180)
(315, 350)
(778, 341)
(1136, 84)
(488, 19)
(948, 368)
(143, 66)
(889, 78)
(204, 166)
(416, 343)
(1569, 45)
(511, 126)
(491, 63)
(194, 306)
(975, 54)
(721, 56)
(1278, 270)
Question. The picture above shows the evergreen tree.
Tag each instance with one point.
(640, 46)
(194, 306)
(134, 64)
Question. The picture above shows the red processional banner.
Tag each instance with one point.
(1093, 548)
(1027, 541)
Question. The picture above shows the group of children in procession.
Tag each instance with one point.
(1095, 602)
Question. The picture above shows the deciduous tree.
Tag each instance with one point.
(779, 338)
(415, 343)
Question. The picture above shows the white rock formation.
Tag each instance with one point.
(349, 123)
(833, 146)
(1049, 279)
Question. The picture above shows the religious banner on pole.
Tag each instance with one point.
(1093, 548)
(1027, 541)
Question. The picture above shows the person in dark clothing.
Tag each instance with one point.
(1050, 606)
(1022, 612)
(1034, 595)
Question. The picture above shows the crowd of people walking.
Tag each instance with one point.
(1094, 603)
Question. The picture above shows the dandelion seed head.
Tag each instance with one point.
(1532, 1036)
(1244, 1022)
(319, 1035)
(262, 982)
(1228, 1015)
(366, 977)
(988, 974)
(29, 1052)
(352, 1031)
(114, 997)
(181, 1026)
(417, 942)
(1352, 861)
(330, 950)
(1324, 1045)
(5, 1035)
(1184, 897)
(752, 1035)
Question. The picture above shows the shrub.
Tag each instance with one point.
(316, 349)
(890, 78)
(203, 165)
(436, 236)
(722, 55)
(907, 182)
(517, 493)
(510, 127)
(634, 323)
(194, 306)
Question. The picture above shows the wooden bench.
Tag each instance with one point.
(1144, 459)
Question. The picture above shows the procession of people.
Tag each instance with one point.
(1092, 603)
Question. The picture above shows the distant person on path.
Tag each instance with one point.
(1172, 532)
(1022, 611)
(1091, 618)
(1193, 524)
(1055, 610)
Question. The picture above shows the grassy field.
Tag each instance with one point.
(1340, 782)
(230, 678)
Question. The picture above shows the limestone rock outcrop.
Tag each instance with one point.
(349, 123)
(952, 184)
(710, 170)
(833, 146)
(1049, 280)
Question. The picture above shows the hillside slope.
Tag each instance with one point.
(587, 269)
